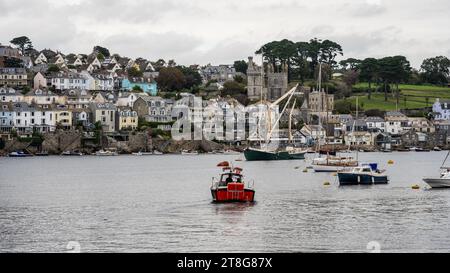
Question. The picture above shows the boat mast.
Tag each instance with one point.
(290, 121)
(320, 101)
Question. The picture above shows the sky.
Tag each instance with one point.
(222, 31)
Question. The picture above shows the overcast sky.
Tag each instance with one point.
(221, 31)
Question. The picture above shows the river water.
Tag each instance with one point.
(163, 204)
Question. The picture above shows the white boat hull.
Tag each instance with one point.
(437, 183)
(327, 168)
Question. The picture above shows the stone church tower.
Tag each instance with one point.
(254, 81)
(272, 86)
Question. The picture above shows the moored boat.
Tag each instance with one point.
(366, 174)
(140, 153)
(71, 153)
(230, 186)
(106, 153)
(444, 180)
(42, 153)
(253, 154)
(186, 152)
(437, 149)
(333, 163)
(19, 154)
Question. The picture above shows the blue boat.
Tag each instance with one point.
(365, 174)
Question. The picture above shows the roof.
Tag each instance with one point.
(41, 93)
(77, 93)
(103, 106)
(374, 119)
(8, 91)
(12, 71)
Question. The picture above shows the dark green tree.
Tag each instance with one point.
(368, 71)
(436, 70)
(241, 66)
(102, 50)
(23, 43)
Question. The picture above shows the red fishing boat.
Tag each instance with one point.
(230, 186)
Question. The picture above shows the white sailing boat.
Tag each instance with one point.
(332, 163)
(444, 180)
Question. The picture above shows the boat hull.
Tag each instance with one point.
(257, 155)
(224, 195)
(327, 168)
(437, 183)
(361, 179)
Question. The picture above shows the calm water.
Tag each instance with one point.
(163, 203)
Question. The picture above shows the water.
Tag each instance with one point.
(163, 203)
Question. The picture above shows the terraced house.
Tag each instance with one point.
(13, 77)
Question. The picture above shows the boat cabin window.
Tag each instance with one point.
(230, 178)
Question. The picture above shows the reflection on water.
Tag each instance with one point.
(149, 204)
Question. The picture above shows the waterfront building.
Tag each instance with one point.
(30, 118)
(127, 119)
(375, 124)
(105, 113)
(396, 123)
(155, 109)
(127, 99)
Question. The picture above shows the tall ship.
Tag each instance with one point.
(266, 152)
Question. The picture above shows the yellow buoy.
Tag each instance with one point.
(326, 183)
(390, 162)
(305, 170)
(415, 187)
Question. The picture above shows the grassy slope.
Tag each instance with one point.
(415, 96)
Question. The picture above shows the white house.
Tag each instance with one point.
(128, 99)
(396, 123)
(375, 124)
(6, 117)
(66, 80)
(441, 110)
(28, 118)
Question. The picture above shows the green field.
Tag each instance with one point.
(411, 97)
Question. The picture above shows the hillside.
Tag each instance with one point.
(411, 97)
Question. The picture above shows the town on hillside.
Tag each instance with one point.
(60, 101)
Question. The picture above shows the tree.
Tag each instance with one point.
(344, 107)
(436, 70)
(393, 70)
(235, 90)
(350, 63)
(53, 68)
(137, 89)
(102, 50)
(368, 71)
(241, 66)
(23, 43)
(192, 77)
(171, 79)
(134, 72)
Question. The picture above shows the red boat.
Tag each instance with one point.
(230, 187)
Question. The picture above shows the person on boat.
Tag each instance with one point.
(229, 179)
